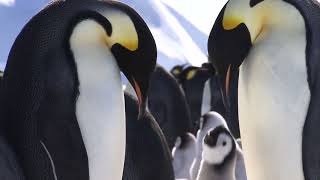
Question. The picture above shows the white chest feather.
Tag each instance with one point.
(273, 102)
(100, 105)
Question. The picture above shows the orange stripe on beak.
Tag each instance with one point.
(138, 92)
(227, 85)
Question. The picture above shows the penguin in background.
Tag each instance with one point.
(63, 102)
(177, 70)
(147, 153)
(183, 154)
(212, 101)
(168, 105)
(192, 80)
(275, 47)
(219, 156)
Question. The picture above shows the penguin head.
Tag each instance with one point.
(185, 141)
(177, 70)
(126, 36)
(236, 29)
(211, 120)
(218, 146)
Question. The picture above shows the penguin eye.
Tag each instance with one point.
(255, 2)
(224, 143)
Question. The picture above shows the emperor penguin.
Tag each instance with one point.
(168, 104)
(275, 45)
(148, 156)
(183, 154)
(219, 156)
(192, 80)
(62, 92)
(177, 70)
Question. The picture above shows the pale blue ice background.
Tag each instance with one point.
(180, 27)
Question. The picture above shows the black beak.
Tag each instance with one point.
(142, 99)
(225, 81)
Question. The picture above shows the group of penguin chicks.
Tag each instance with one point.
(213, 152)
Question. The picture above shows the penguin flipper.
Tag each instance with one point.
(310, 143)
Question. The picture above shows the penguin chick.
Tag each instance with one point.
(183, 154)
(218, 156)
(207, 122)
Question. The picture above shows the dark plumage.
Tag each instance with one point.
(9, 166)
(177, 70)
(41, 87)
(147, 154)
(192, 80)
(167, 103)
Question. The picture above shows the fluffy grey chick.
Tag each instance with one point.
(207, 122)
(183, 154)
(218, 156)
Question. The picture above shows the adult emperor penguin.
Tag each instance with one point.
(192, 80)
(168, 104)
(63, 97)
(147, 153)
(277, 45)
(177, 70)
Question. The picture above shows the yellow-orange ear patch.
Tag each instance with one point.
(231, 22)
(176, 71)
(191, 74)
(123, 30)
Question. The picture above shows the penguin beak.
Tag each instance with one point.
(142, 100)
(227, 50)
(225, 85)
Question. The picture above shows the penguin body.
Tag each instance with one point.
(278, 83)
(62, 95)
(168, 105)
(147, 153)
(192, 82)
(183, 154)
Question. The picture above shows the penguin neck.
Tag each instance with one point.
(100, 106)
